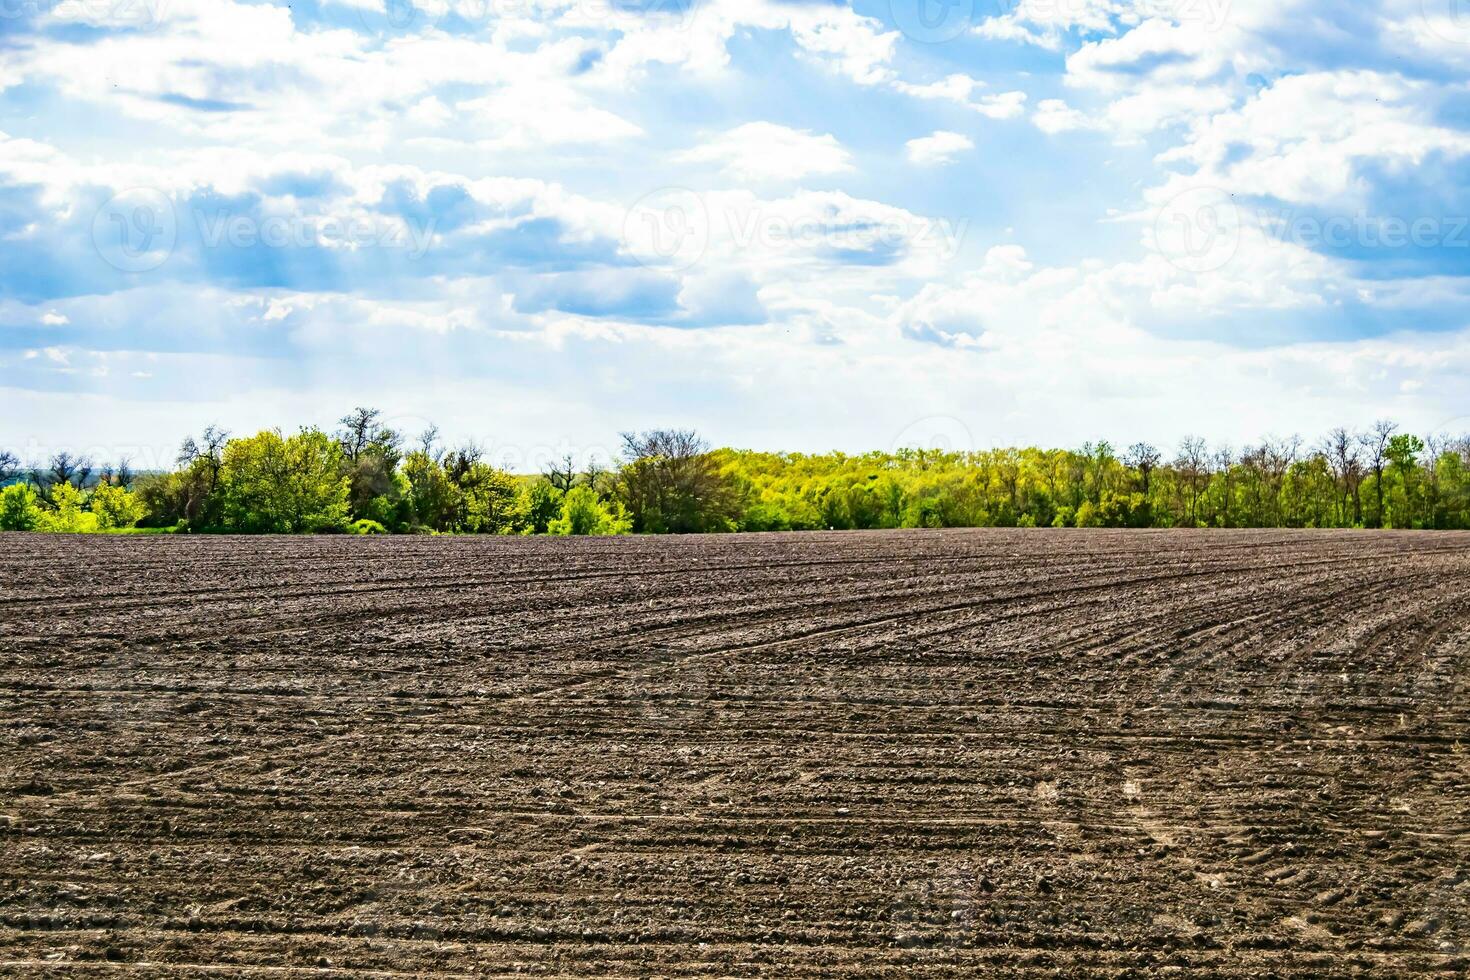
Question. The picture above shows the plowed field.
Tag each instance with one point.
(935, 754)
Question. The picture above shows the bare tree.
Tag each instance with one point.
(1436, 447)
(1145, 459)
(9, 466)
(1279, 455)
(1193, 464)
(209, 451)
(1375, 443)
(66, 468)
(563, 474)
(1341, 449)
(459, 462)
(1224, 463)
(360, 430)
(595, 472)
(429, 443)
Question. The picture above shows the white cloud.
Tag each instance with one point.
(960, 89)
(1308, 137)
(1055, 116)
(939, 148)
(1007, 105)
(763, 151)
(550, 118)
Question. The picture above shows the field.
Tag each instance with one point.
(895, 754)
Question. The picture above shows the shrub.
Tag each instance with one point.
(115, 508)
(368, 527)
(18, 510)
(540, 505)
(68, 517)
(583, 513)
(489, 500)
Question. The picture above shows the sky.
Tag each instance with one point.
(791, 224)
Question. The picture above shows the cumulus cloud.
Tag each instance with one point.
(1204, 214)
(763, 151)
(938, 148)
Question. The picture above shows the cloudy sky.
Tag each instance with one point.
(793, 225)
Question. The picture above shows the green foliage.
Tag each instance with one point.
(67, 517)
(277, 485)
(540, 504)
(671, 482)
(488, 501)
(18, 510)
(583, 513)
(371, 453)
(115, 508)
(433, 497)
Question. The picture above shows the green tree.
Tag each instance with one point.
(18, 510)
(190, 496)
(67, 516)
(371, 453)
(584, 514)
(671, 483)
(278, 485)
(114, 507)
(488, 501)
(1403, 453)
(433, 497)
(540, 504)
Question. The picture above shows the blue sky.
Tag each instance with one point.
(793, 225)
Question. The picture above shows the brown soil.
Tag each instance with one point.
(906, 754)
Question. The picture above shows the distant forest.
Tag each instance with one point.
(365, 478)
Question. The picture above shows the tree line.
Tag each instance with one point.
(366, 478)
